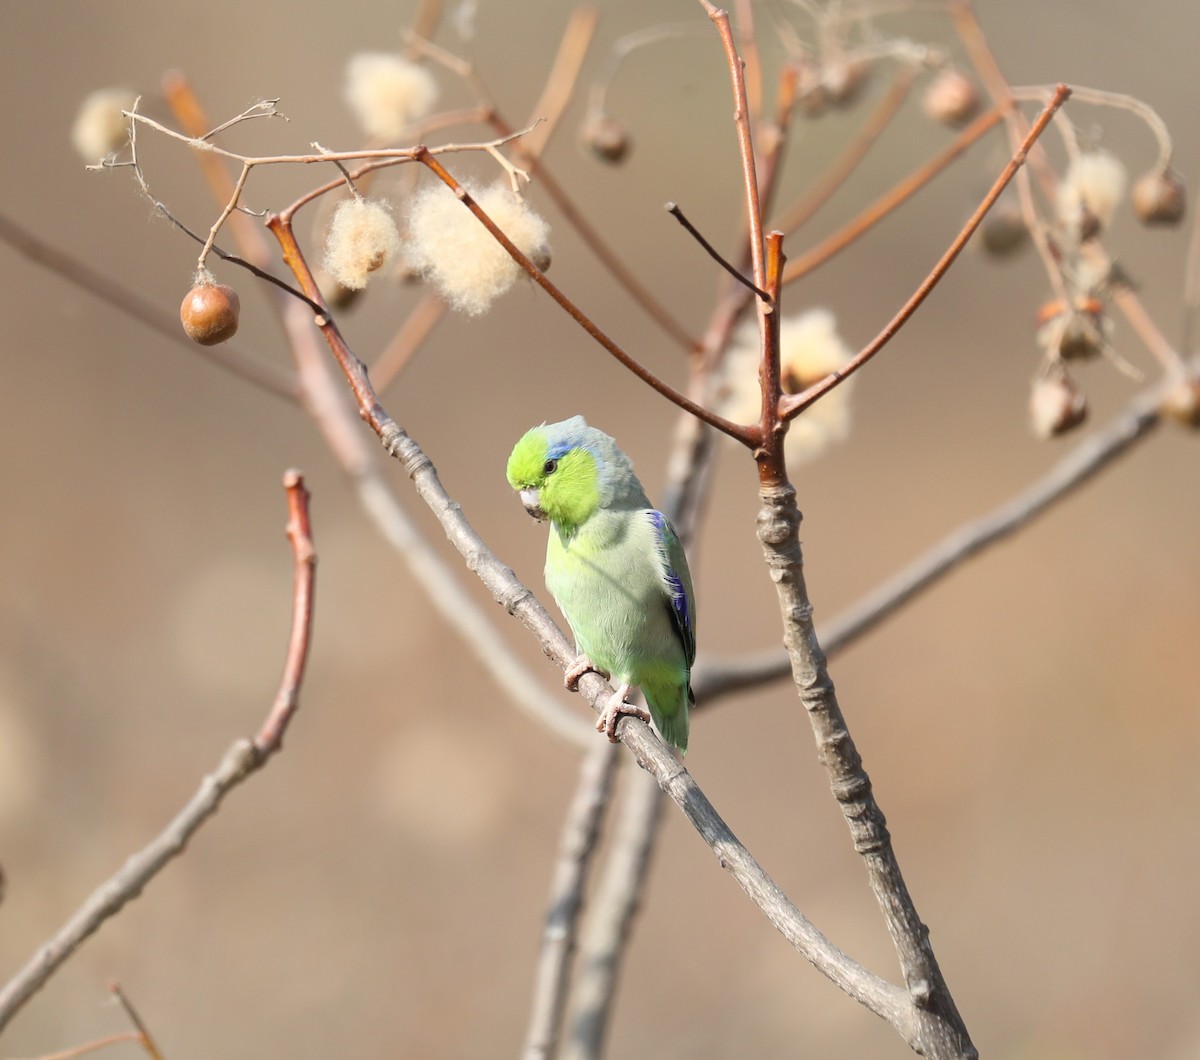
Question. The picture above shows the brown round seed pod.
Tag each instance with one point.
(951, 98)
(210, 313)
(605, 137)
(1159, 198)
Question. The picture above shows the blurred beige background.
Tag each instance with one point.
(1030, 726)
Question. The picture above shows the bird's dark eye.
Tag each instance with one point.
(549, 467)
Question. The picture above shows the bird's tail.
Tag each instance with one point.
(673, 725)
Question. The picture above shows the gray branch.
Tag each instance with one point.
(576, 847)
(718, 678)
(610, 918)
(933, 1026)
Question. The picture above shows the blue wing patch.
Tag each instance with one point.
(677, 582)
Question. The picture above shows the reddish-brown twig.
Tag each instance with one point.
(741, 120)
(287, 699)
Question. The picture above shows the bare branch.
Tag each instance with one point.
(581, 832)
(243, 758)
(717, 678)
(617, 899)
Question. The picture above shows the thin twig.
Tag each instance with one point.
(561, 81)
(1117, 100)
(741, 121)
(1191, 290)
(577, 845)
(146, 1038)
(243, 758)
(674, 210)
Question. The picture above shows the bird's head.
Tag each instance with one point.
(565, 471)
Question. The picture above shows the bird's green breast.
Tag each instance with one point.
(605, 577)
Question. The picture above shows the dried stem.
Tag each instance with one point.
(741, 121)
(982, 58)
(1191, 290)
(144, 1036)
(561, 82)
(191, 116)
(577, 845)
(1127, 301)
(1118, 101)
(243, 758)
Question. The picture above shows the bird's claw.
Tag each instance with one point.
(578, 668)
(616, 709)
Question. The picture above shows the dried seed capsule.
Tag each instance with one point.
(1159, 198)
(1004, 230)
(210, 313)
(605, 137)
(951, 98)
(1055, 406)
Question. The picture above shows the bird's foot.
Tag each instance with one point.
(579, 667)
(615, 709)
